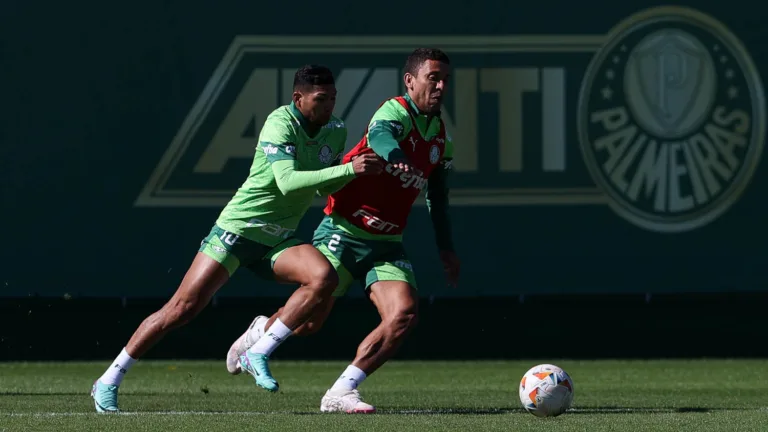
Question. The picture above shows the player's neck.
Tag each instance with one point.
(310, 128)
(418, 111)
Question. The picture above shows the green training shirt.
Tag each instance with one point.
(288, 168)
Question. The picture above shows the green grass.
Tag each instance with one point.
(705, 395)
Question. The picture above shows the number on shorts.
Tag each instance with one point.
(229, 238)
(335, 239)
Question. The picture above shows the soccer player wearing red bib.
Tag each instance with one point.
(361, 234)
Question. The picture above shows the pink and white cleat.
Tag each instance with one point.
(254, 332)
(348, 401)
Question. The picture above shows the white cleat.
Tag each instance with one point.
(245, 341)
(347, 401)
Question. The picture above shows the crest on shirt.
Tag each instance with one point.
(397, 126)
(434, 154)
(325, 155)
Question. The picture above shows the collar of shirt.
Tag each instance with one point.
(299, 116)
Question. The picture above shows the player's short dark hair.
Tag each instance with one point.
(420, 55)
(312, 75)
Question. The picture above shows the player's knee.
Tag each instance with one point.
(324, 281)
(180, 312)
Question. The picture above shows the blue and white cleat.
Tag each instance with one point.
(256, 365)
(105, 397)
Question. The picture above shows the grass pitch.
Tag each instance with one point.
(701, 395)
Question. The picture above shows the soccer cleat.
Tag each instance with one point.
(104, 397)
(254, 332)
(348, 401)
(256, 365)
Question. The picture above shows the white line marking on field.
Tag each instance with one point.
(401, 412)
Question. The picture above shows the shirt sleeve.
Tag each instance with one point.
(389, 125)
(335, 185)
(437, 198)
(277, 141)
(289, 178)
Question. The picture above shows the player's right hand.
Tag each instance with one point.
(367, 164)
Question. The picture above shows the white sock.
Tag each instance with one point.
(116, 372)
(350, 379)
(255, 332)
(273, 337)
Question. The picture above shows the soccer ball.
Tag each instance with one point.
(546, 391)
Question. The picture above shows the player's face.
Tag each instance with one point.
(427, 88)
(317, 103)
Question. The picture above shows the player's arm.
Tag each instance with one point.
(277, 141)
(336, 185)
(290, 178)
(389, 125)
(437, 200)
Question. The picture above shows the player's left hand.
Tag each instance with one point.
(451, 265)
(405, 166)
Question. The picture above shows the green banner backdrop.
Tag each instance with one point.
(598, 149)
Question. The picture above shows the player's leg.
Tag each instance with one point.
(320, 252)
(317, 279)
(315, 322)
(249, 337)
(204, 277)
(261, 323)
(324, 234)
(397, 304)
(210, 270)
(392, 289)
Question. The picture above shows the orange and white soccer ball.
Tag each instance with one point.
(546, 391)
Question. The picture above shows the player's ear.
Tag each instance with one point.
(296, 97)
(408, 79)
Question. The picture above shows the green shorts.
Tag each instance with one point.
(367, 261)
(233, 251)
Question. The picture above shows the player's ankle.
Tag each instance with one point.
(349, 380)
(116, 372)
(273, 337)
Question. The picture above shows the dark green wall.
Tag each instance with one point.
(94, 95)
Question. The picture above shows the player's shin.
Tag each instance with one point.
(299, 308)
(383, 342)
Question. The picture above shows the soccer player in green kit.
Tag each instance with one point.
(362, 232)
(298, 153)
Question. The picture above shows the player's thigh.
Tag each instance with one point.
(391, 283)
(343, 251)
(203, 279)
(303, 264)
(394, 299)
